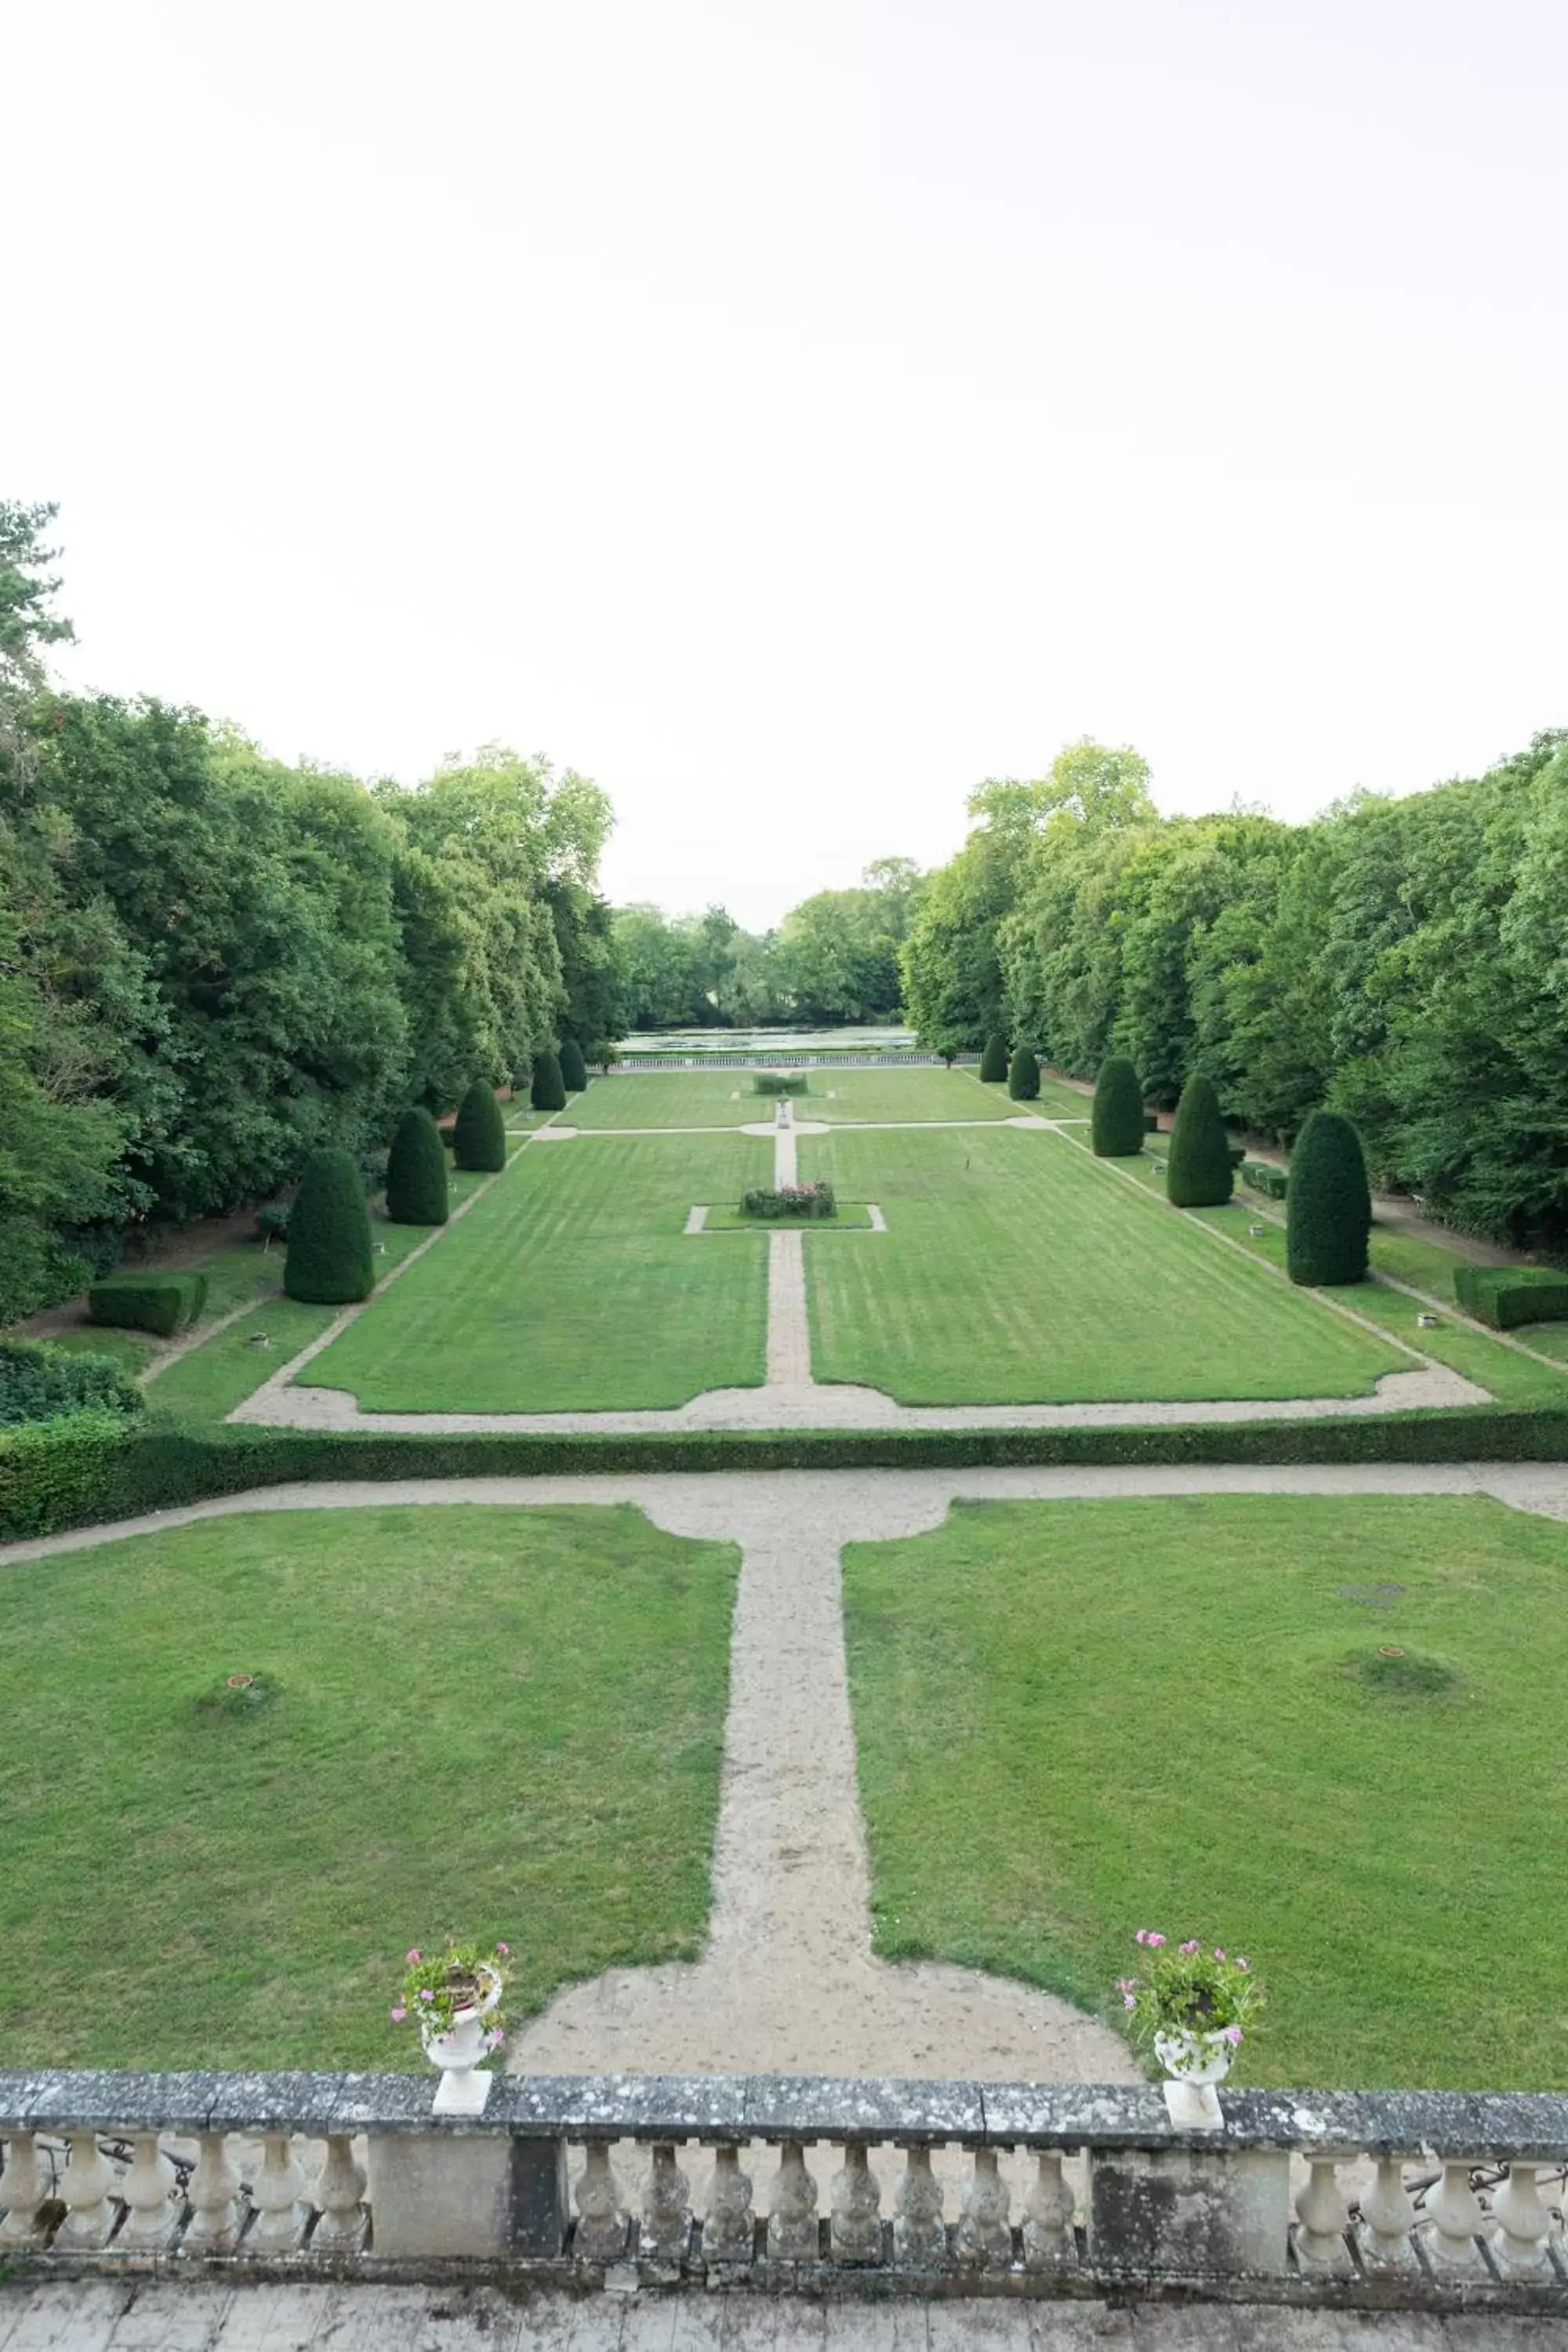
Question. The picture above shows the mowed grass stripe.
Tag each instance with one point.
(667, 1100)
(841, 1096)
(502, 1723)
(572, 1287)
(1018, 1271)
(1075, 1719)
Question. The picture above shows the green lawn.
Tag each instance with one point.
(1018, 1270)
(1054, 1100)
(672, 1098)
(853, 1217)
(1076, 1719)
(922, 1094)
(493, 1723)
(573, 1286)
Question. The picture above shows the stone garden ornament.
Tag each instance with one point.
(454, 1997)
(1192, 2008)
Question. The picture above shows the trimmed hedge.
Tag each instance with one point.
(1508, 1295)
(1259, 1176)
(95, 1466)
(417, 1173)
(1116, 1119)
(1198, 1173)
(574, 1068)
(479, 1131)
(1023, 1076)
(330, 1262)
(162, 1303)
(993, 1060)
(790, 1201)
(1328, 1215)
(779, 1082)
(549, 1089)
(38, 1382)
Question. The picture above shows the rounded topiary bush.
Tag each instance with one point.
(548, 1087)
(993, 1060)
(574, 1068)
(1328, 1209)
(329, 1260)
(479, 1131)
(1116, 1122)
(1198, 1173)
(417, 1173)
(1023, 1076)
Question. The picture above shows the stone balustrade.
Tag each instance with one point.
(1419, 2199)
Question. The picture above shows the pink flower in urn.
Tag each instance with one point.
(505, 1950)
(1233, 2035)
(1191, 1945)
(398, 2014)
(412, 1959)
(425, 1993)
(1126, 1984)
(1153, 1941)
(1128, 2001)
(1218, 1953)
(1242, 1965)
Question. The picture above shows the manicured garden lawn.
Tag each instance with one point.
(922, 1094)
(1054, 1100)
(1076, 1719)
(1018, 1270)
(573, 1286)
(669, 1098)
(496, 1723)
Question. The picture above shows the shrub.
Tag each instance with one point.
(548, 1087)
(330, 1261)
(778, 1082)
(574, 1068)
(1116, 1123)
(790, 1201)
(1328, 1215)
(1506, 1296)
(417, 1173)
(479, 1131)
(38, 1382)
(1023, 1076)
(993, 1060)
(1198, 1173)
(1259, 1177)
(272, 1220)
(164, 1303)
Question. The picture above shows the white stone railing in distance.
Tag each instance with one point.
(1383, 2200)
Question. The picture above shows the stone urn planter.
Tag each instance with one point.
(462, 2089)
(1193, 2064)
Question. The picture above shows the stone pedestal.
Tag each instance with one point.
(1187, 2213)
(466, 2194)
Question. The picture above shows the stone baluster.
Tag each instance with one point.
(984, 2240)
(339, 2198)
(920, 2234)
(666, 2207)
(1523, 2225)
(152, 2211)
(1048, 2241)
(278, 2193)
(1323, 2217)
(1385, 2239)
(855, 2199)
(216, 2218)
(22, 2189)
(1454, 2222)
(86, 2191)
(602, 2225)
(729, 2231)
(792, 2210)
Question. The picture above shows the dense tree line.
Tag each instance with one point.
(1404, 961)
(834, 957)
(211, 963)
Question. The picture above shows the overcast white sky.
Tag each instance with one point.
(793, 415)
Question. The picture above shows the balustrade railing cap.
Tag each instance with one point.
(603, 2106)
(94, 2099)
(863, 2107)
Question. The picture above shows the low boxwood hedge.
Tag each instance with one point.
(1508, 1295)
(37, 1382)
(96, 1466)
(778, 1082)
(1258, 1177)
(159, 1303)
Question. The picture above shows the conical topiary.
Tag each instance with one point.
(993, 1060)
(549, 1088)
(329, 1260)
(1023, 1076)
(1328, 1210)
(479, 1131)
(574, 1068)
(1198, 1173)
(417, 1173)
(1116, 1123)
